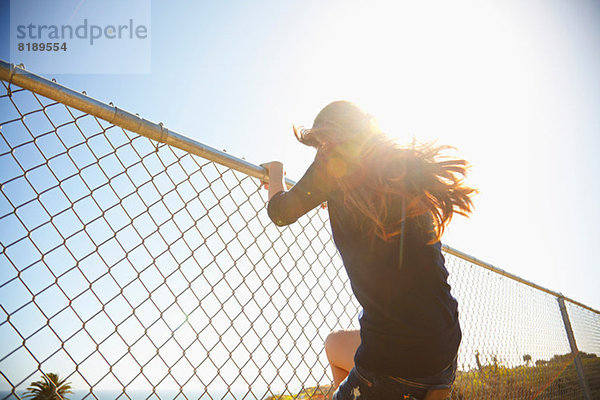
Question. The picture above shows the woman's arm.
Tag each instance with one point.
(284, 207)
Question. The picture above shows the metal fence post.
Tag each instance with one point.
(578, 364)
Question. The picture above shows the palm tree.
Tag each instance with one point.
(49, 388)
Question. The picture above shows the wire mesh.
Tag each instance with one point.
(514, 342)
(136, 270)
(140, 267)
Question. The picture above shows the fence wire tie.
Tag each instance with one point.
(162, 136)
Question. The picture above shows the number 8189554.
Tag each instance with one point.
(42, 46)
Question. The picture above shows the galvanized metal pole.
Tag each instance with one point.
(576, 358)
(126, 120)
(490, 267)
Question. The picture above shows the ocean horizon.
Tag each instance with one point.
(147, 394)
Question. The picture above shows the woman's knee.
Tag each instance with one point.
(341, 342)
(332, 341)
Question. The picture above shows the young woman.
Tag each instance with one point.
(388, 207)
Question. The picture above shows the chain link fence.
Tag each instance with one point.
(135, 269)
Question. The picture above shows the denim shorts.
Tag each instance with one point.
(365, 385)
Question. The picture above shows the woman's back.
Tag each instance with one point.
(408, 311)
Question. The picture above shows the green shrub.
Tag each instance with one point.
(553, 379)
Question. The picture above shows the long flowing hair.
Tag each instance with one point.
(396, 183)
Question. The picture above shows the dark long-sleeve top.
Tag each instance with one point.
(409, 324)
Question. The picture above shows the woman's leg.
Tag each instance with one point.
(340, 347)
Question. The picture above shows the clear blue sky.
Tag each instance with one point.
(514, 85)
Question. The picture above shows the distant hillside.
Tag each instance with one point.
(555, 379)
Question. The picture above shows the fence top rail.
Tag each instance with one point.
(483, 264)
(126, 120)
(133, 123)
